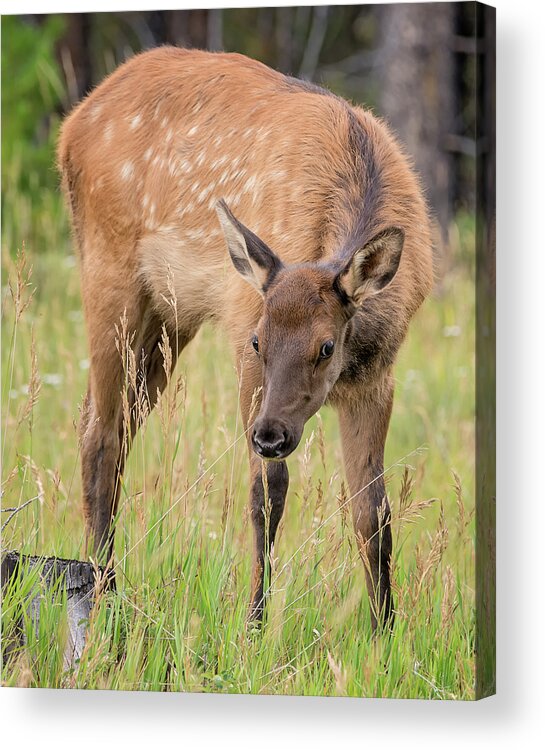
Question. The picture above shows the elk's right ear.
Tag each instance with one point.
(252, 258)
(373, 266)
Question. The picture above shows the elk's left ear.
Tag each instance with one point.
(373, 266)
(252, 258)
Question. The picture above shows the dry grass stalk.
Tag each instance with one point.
(405, 491)
(266, 502)
(306, 473)
(464, 519)
(20, 294)
(254, 406)
(319, 511)
(438, 546)
(342, 502)
(35, 472)
(338, 673)
(226, 506)
(321, 441)
(34, 386)
(459, 502)
(123, 344)
(413, 511)
(448, 603)
(206, 492)
(58, 486)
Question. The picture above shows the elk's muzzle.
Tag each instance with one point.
(272, 439)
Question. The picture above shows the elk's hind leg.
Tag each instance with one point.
(101, 424)
(105, 440)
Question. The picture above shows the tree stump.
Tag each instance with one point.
(78, 580)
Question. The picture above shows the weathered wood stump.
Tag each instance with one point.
(78, 580)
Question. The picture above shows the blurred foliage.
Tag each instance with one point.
(32, 95)
(33, 100)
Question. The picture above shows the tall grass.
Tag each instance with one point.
(183, 543)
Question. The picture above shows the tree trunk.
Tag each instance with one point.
(416, 75)
(74, 55)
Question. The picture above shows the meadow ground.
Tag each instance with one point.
(183, 545)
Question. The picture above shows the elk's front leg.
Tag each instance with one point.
(266, 506)
(364, 425)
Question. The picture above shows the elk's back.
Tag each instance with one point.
(146, 156)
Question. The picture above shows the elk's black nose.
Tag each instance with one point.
(270, 441)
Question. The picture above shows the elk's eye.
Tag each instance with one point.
(327, 349)
(255, 343)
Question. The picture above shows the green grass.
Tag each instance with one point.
(183, 544)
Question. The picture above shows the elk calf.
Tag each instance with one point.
(329, 266)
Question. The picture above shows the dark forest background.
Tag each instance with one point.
(418, 65)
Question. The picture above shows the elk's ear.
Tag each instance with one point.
(373, 266)
(251, 257)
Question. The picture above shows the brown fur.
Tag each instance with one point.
(144, 160)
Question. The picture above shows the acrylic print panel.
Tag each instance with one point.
(263, 269)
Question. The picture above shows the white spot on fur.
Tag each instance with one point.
(218, 140)
(205, 193)
(233, 199)
(135, 122)
(250, 184)
(127, 170)
(168, 136)
(239, 173)
(95, 112)
(195, 234)
(193, 130)
(148, 153)
(146, 200)
(185, 209)
(159, 162)
(218, 162)
(164, 122)
(201, 158)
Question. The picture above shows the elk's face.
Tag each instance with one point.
(300, 337)
(299, 342)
